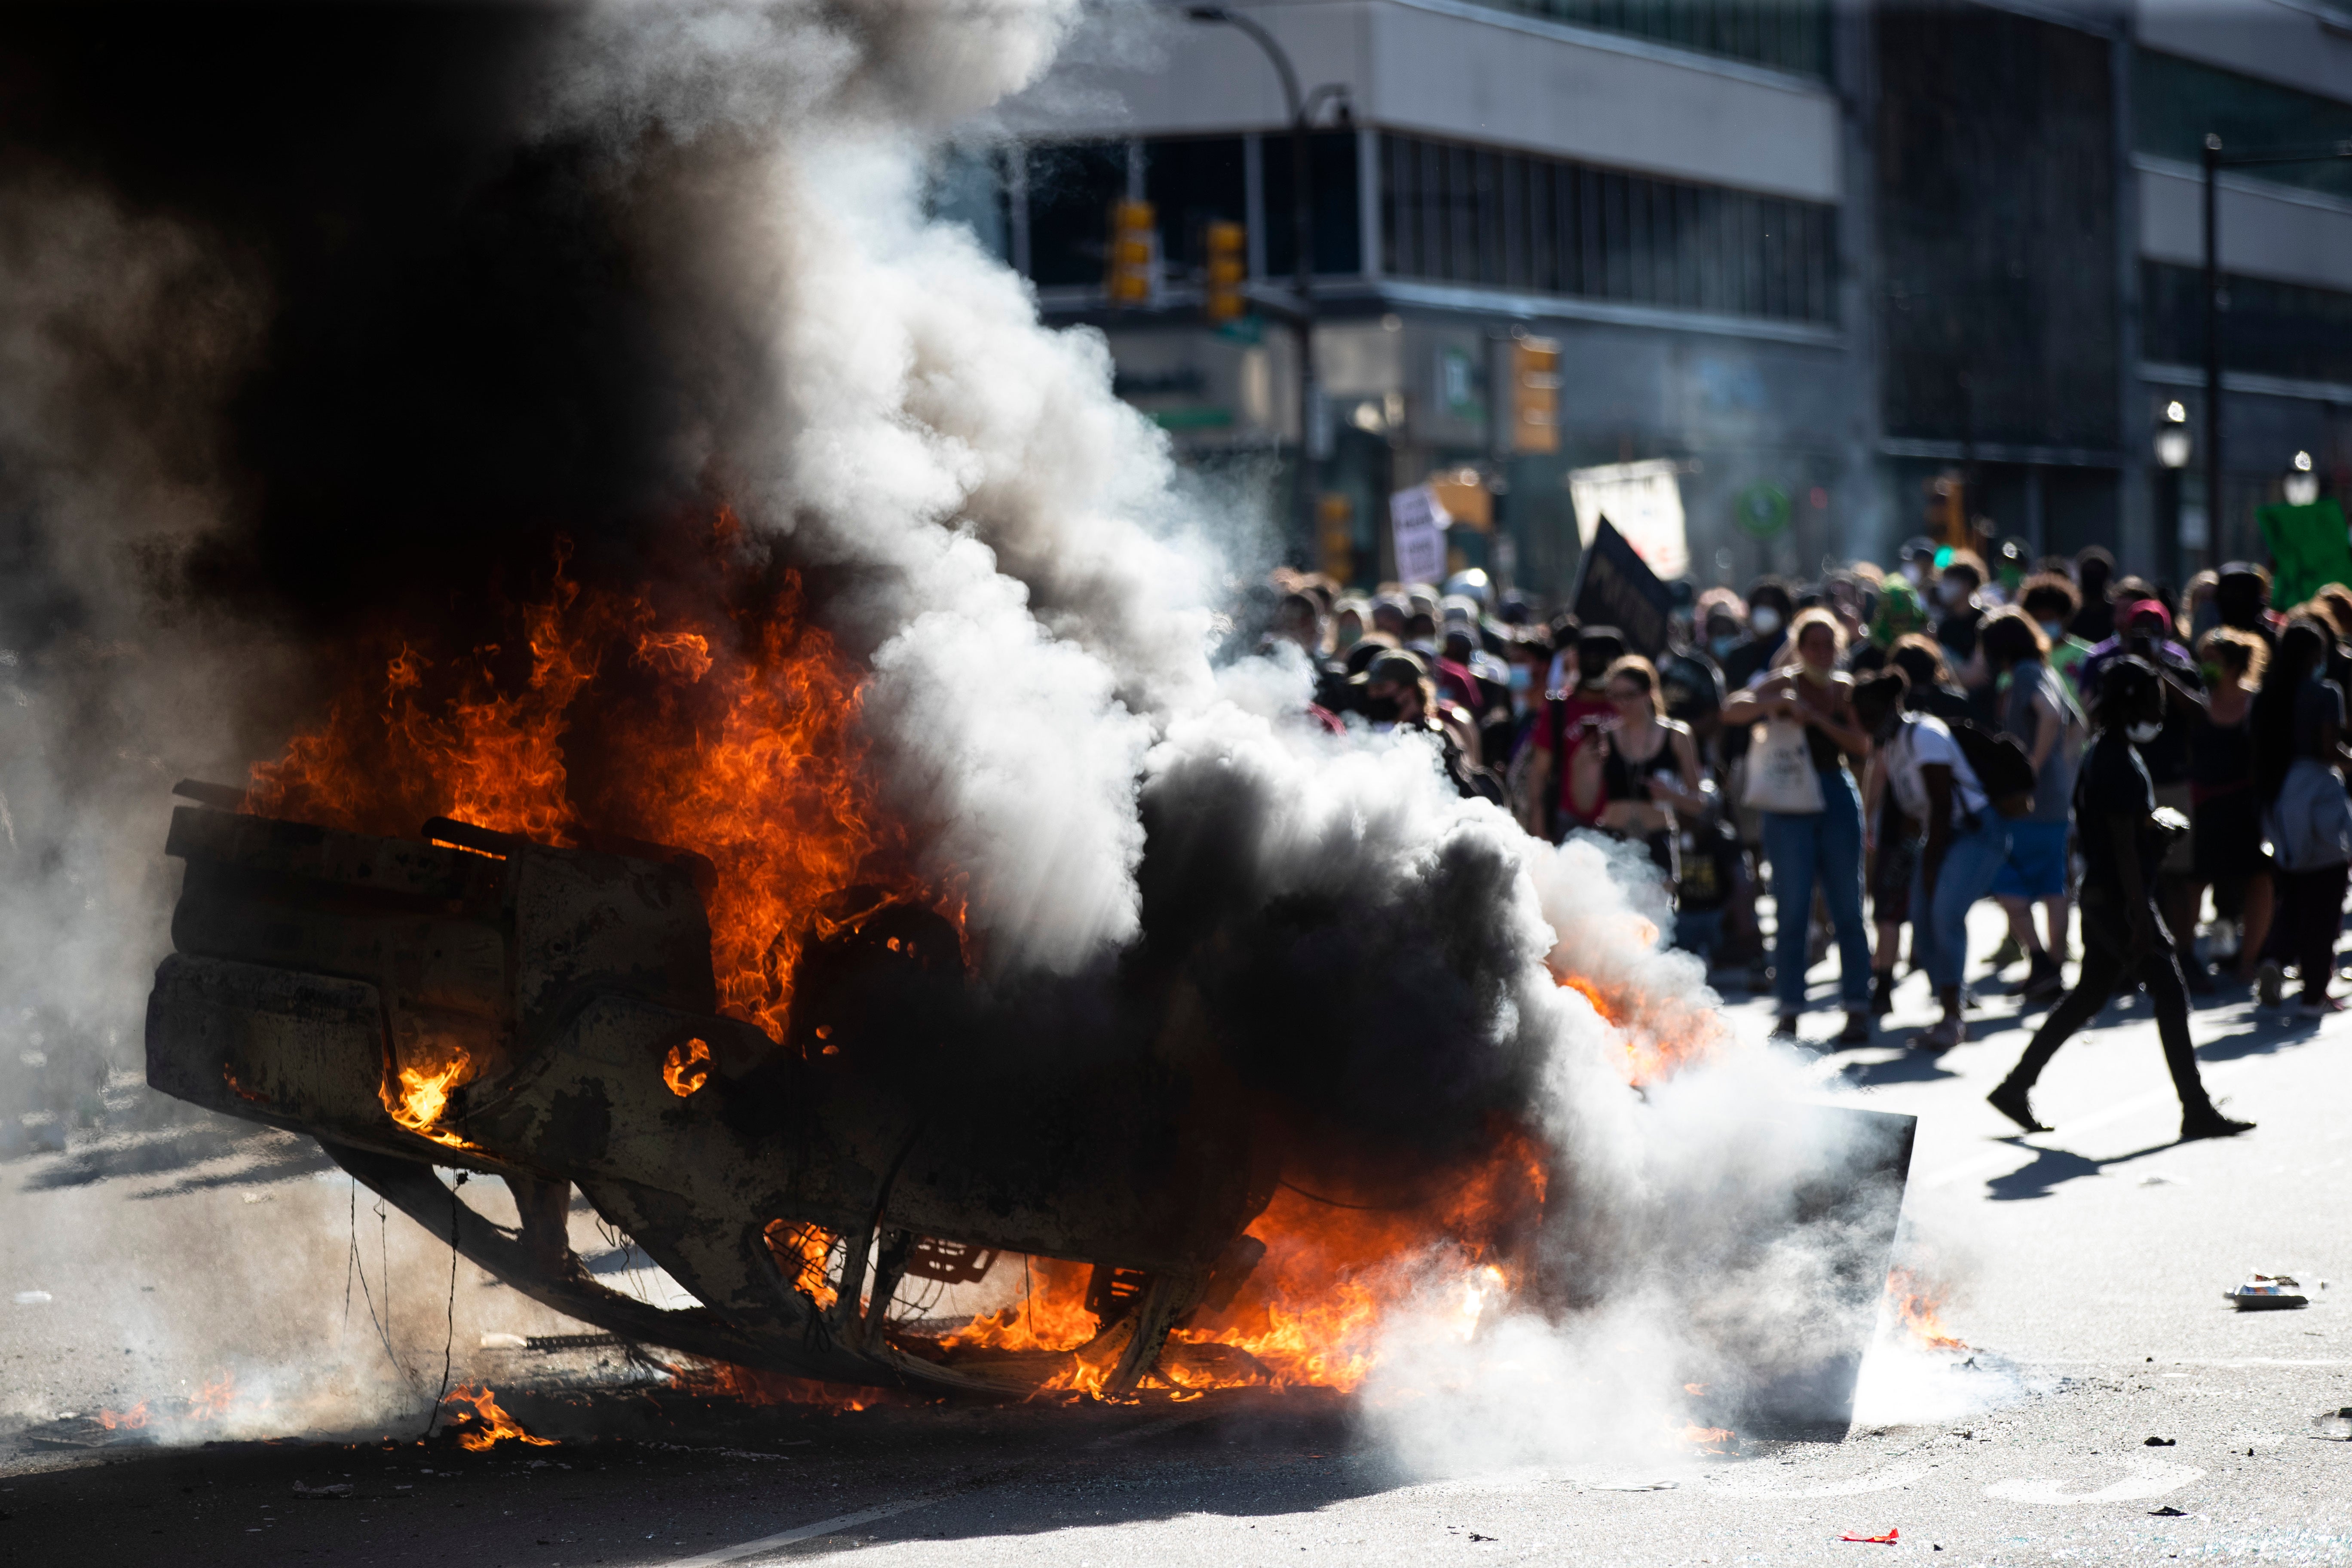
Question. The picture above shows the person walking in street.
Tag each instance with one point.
(2123, 936)
(1966, 840)
(1821, 847)
(2038, 713)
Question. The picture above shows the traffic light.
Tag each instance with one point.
(1228, 264)
(1134, 248)
(1335, 519)
(1534, 395)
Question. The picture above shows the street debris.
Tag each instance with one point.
(2161, 1443)
(2266, 1293)
(2333, 1425)
(333, 1490)
(1886, 1540)
(2167, 1512)
(32, 1298)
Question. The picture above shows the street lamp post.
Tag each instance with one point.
(2172, 444)
(2214, 159)
(1301, 108)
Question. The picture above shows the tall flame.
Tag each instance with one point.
(728, 729)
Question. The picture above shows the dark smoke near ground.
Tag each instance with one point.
(332, 328)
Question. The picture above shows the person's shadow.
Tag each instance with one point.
(2051, 1167)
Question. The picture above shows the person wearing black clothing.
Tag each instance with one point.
(2123, 936)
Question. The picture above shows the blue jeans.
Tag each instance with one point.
(1823, 846)
(1939, 935)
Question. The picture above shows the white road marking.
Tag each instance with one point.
(742, 1549)
(2153, 1480)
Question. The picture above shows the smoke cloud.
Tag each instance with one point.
(442, 285)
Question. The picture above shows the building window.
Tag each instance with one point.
(2175, 102)
(1072, 185)
(1331, 180)
(2269, 329)
(1451, 213)
(1786, 35)
(1189, 181)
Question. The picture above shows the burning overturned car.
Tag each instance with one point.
(811, 1111)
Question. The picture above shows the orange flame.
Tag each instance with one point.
(687, 1068)
(1311, 1312)
(487, 1424)
(1708, 1439)
(750, 1386)
(730, 731)
(1656, 1035)
(1916, 1305)
(129, 1420)
(212, 1401)
(804, 1252)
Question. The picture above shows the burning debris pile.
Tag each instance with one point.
(758, 764)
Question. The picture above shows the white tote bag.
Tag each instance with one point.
(1781, 775)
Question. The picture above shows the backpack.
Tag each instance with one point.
(2002, 766)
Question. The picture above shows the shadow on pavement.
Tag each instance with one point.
(1915, 1066)
(2266, 1036)
(2051, 1167)
(263, 1155)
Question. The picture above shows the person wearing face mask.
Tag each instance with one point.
(2144, 631)
(2125, 836)
(1769, 607)
(1398, 696)
(2050, 602)
(1820, 849)
(1917, 562)
(1965, 844)
(1958, 612)
(1639, 768)
(1548, 810)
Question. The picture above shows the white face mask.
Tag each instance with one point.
(1765, 620)
(1951, 591)
(2141, 734)
(1917, 569)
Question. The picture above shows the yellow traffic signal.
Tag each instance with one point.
(1228, 264)
(1133, 243)
(1535, 395)
(1335, 519)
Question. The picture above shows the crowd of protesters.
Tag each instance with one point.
(1881, 750)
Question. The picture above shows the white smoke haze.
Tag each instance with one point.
(1039, 587)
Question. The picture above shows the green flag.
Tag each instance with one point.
(2309, 549)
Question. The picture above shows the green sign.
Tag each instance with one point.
(2309, 549)
(1761, 510)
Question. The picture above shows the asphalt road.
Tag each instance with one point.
(2083, 1268)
